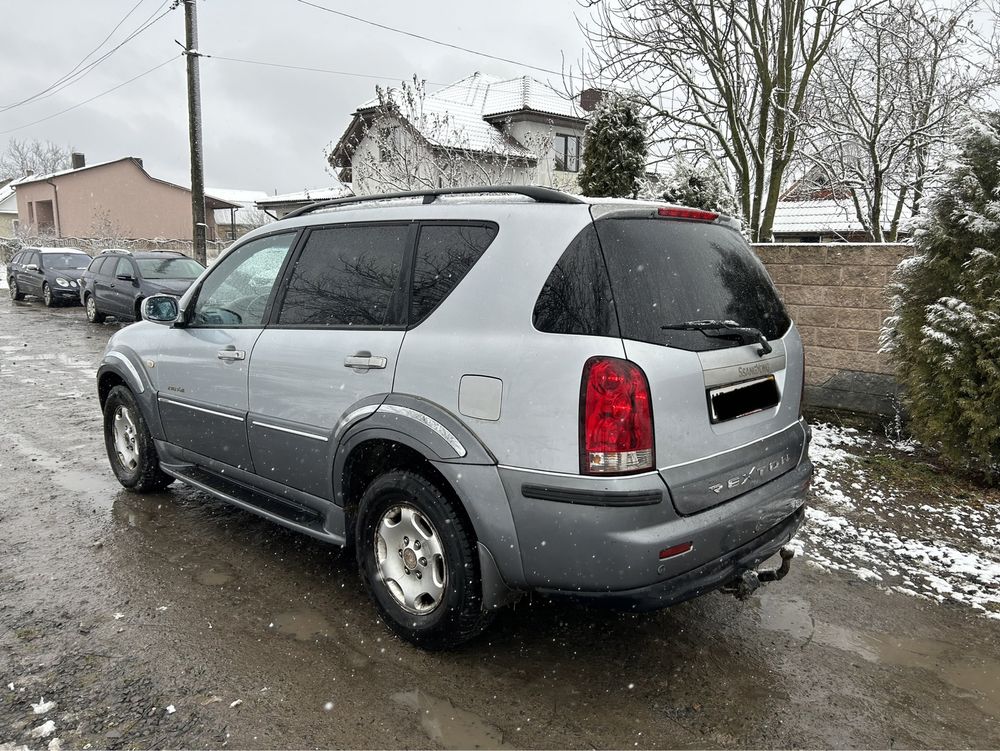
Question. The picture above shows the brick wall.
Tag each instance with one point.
(836, 294)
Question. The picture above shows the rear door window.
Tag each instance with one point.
(445, 253)
(347, 276)
(669, 272)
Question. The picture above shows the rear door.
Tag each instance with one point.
(202, 368)
(725, 414)
(30, 280)
(334, 340)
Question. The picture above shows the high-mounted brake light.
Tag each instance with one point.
(616, 418)
(696, 214)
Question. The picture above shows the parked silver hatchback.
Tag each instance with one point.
(485, 392)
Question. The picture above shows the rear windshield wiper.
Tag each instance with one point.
(725, 330)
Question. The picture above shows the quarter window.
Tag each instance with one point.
(567, 150)
(445, 253)
(576, 298)
(237, 291)
(347, 276)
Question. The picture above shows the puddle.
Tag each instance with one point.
(214, 576)
(304, 625)
(449, 726)
(976, 679)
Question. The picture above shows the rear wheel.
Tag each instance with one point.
(15, 291)
(47, 296)
(129, 445)
(417, 556)
(93, 314)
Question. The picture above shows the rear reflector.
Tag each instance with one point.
(697, 214)
(616, 419)
(676, 550)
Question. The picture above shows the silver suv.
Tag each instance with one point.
(484, 392)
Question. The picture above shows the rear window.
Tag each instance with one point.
(669, 272)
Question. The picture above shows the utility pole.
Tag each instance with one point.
(194, 129)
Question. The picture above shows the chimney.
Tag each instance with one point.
(590, 98)
(78, 160)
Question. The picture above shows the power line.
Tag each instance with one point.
(91, 99)
(77, 73)
(429, 39)
(312, 70)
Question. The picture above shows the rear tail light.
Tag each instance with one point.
(697, 214)
(616, 419)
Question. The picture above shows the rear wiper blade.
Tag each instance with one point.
(725, 330)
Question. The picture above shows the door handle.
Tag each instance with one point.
(231, 353)
(365, 361)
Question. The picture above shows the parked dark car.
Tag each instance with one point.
(117, 281)
(52, 274)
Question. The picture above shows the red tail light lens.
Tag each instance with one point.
(697, 214)
(616, 419)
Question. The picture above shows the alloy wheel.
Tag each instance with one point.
(125, 435)
(410, 558)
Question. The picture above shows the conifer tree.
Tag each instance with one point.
(614, 151)
(944, 334)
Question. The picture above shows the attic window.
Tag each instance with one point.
(567, 152)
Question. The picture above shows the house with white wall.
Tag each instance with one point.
(479, 130)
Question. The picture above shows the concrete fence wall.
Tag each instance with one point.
(836, 294)
(94, 245)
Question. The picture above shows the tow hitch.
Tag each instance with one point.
(748, 581)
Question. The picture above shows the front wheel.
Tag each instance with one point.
(15, 291)
(47, 296)
(417, 555)
(129, 445)
(93, 314)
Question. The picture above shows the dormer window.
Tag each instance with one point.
(567, 151)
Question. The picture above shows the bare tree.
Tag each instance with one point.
(32, 157)
(725, 80)
(409, 142)
(890, 95)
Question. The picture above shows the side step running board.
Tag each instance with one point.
(300, 518)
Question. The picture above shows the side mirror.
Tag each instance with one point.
(160, 309)
(31, 267)
(124, 277)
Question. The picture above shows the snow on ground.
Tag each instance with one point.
(860, 522)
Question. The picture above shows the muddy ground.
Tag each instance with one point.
(172, 620)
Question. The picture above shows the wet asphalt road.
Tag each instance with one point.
(117, 606)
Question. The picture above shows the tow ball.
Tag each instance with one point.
(748, 580)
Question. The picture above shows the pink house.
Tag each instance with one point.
(111, 199)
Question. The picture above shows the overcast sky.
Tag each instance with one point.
(264, 128)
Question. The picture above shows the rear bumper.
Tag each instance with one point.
(610, 550)
(706, 578)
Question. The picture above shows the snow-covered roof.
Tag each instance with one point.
(8, 195)
(246, 200)
(464, 104)
(60, 173)
(829, 216)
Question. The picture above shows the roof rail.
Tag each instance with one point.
(541, 195)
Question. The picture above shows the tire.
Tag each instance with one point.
(93, 314)
(405, 523)
(129, 445)
(47, 298)
(15, 291)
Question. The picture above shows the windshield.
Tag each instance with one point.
(667, 272)
(169, 268)
(65, 260)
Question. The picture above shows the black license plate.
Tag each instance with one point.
(742, 399)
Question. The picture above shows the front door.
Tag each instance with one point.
(333, 341)
(30, 279)
(202, 367)
(120, 291)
